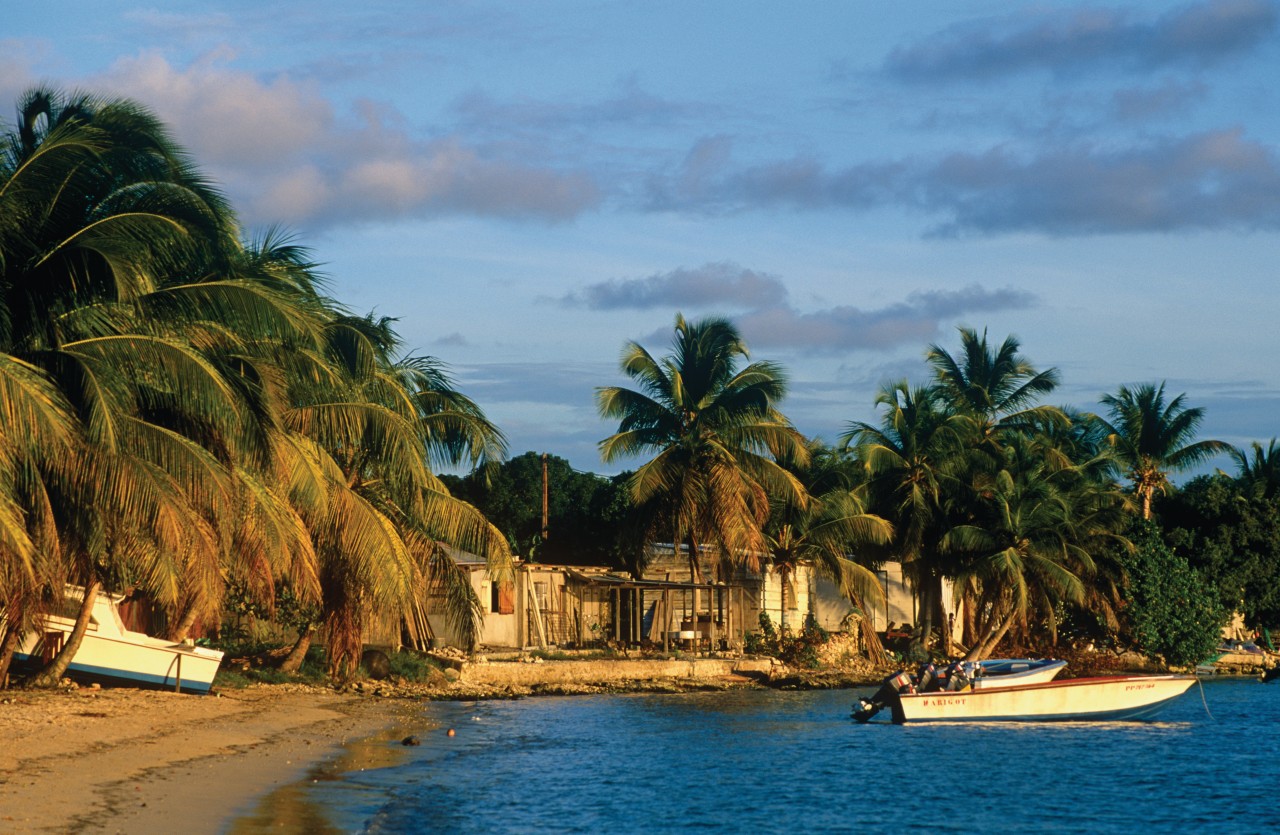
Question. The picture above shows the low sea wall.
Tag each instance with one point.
(521, 674)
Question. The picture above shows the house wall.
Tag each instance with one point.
(770, 599)
(497, 629)
(560, 611)
(900, 606)
(563, 613)
(830, 607)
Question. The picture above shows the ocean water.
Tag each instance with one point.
(769, 761)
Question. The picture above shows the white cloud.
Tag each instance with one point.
(286, 156)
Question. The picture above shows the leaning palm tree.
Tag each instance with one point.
(1152, 439)
(1026, 552)
(99, 209)
(371, 424)
(36, 428)
(715, 434)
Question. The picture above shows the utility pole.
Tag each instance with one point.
(544, 497)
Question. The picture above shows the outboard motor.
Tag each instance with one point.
(929, 681)
(899, 682)
(956, 678)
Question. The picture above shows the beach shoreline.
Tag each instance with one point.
(123, 760)
(126, 760)
(93, 759)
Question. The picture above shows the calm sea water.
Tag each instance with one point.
(767, 761)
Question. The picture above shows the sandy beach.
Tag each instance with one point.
(124, 760)
(121, 760)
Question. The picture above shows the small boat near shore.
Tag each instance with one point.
(1014, 672)
(112, 654)
(1104, 698)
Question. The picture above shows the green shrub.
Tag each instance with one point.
(1172, 612)
(412, 666)
(797, 650)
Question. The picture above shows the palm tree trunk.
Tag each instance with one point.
(293, 661)
(782, 607)
(8, 646)
(346, 636)
(940, 612)
(695, 574)
(51, 675)
(995, 633)
(920, 644)
(970, 632)
(989, 646)
(182, 626)
(875, 650)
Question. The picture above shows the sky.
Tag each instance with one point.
(526, 187)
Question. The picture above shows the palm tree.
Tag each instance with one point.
(193, 410)
(36, 428)
(1025, 543)
(715, 434)
(994, 389)
(1152, 439)
(99, 209)
(824, 532)
(370, 424)
(1259, 473)
(910, 459)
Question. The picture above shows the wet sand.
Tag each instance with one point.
(121, 760)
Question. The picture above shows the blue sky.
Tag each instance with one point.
(527, 186)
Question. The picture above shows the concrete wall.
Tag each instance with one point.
(507, 673)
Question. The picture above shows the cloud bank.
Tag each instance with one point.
(1211, 180)
(288, 154)
(722, 284)
(1066, 41)
(769, 320)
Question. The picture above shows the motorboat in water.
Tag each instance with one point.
(1103, 698)
(112, 654)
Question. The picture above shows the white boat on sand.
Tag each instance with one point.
(112, 654)
(1104, 698)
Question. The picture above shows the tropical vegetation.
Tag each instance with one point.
(716, 437)
(186, 412)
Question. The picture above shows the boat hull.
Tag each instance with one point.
(126, 666)
(111, 654)
(1108, 698)
(1017, 673)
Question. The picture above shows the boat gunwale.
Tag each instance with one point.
(152, 642)
(1064, 682)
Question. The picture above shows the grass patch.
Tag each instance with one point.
(411, 666)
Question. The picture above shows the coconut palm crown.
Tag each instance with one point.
(1152, 439)
(715, 434)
